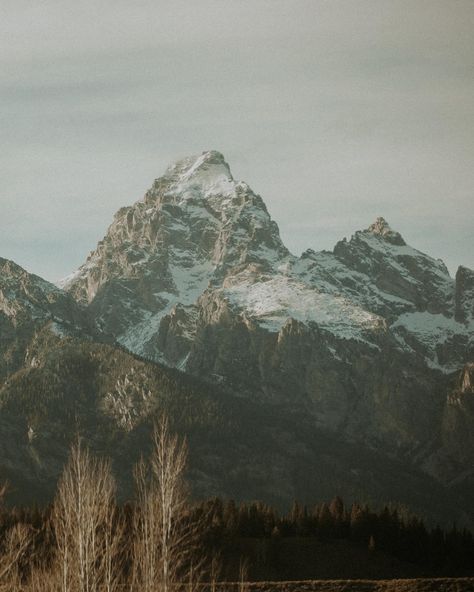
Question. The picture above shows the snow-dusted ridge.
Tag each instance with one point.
(198, 230)
(272, 301)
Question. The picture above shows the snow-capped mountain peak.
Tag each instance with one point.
(193, 227)
(200, 245)
(194, 177)
(383, 229)
(207, 165)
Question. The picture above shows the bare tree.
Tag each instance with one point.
(146, 557)
(215, 570)
(88, 532)
(166, 536)
(243, 575)
(16, 546)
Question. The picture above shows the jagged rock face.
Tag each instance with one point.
(381, 228)
(457, 427)
(398, 270)
(27, 303)
(25, 296)
(200, 237)
(346, 386)
(364, 338)
(467, 380)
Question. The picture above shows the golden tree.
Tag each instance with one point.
(87, 528)
(166, 537)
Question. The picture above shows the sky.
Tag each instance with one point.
(335, 112)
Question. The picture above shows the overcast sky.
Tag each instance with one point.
(335, 112)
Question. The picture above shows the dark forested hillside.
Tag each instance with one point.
(240, 448)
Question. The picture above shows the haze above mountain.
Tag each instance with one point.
(365, 109)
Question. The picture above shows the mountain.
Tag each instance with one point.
(334, 372)
(196, 276)
(200, 236)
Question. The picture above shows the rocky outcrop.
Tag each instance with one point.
(458, 422)
(464, 296)
(199, 231)
(398, 270)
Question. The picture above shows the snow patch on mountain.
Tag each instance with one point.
(429, 327)
(431, 331)
(138, 336)
(189, 284)
(326, 273)
(271, 302)
(400, 255)
(207, 174)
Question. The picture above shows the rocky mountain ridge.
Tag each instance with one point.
(198, 231)
(27, 303)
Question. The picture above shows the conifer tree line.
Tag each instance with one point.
(87, 542)
(391, 530)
